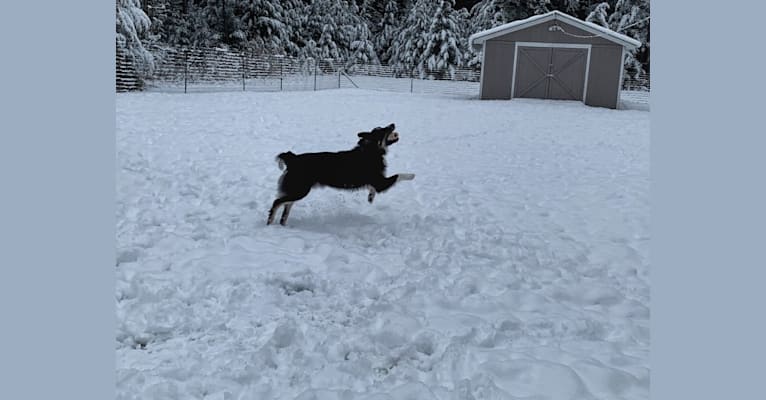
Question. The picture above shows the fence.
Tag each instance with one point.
(639, 82)
(462, 81)
(219, 69)
(126, 76)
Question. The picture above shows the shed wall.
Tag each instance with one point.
(540, 33)
(604, 76)
(604, 70)
(498, 70)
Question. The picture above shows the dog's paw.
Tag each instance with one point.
(406, 177)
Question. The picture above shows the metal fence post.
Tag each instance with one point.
(243, 71)
(281, 67)
(316, 66)
(186, 67)
(338, 78)
(411, 82)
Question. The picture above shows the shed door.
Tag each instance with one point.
(550, 72)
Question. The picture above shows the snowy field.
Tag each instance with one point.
(514, 266)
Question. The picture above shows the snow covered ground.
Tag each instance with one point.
(514, 266)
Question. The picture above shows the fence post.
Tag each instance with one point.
(316, 66)
(281, 67)
(339, 78)
(243, 71)
(186, 66)
(411, 82)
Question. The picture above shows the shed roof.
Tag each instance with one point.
(480, 37)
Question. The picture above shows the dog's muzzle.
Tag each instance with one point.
(392, 138)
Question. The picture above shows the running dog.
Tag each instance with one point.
(363, 166)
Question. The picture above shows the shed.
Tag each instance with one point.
(553, 56)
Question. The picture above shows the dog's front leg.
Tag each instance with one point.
(371, 195)
(383, 184)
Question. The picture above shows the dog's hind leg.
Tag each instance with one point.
(285, 213)
(287, 201)
(291, 189)
(284, 200)
(371, 195)
(275, 206)
(273, 211)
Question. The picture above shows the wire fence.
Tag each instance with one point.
(126, 75)
(219, 69)
(636, 82)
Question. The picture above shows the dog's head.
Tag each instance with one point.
(381, 137)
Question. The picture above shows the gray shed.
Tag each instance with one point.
(553, 56)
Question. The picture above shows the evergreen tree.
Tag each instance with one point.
(408, 49)
(334, 29)
(132, 24)
(574, 8)
(488, 14)
(222, 21)
(443, 51)
(266, 26)
(471, 57)
(176, 27)
(361, 46)
(157, 11)
(631, 19)
(201, 30)
(599, 15)
(387, 30)
(321, 29)
(371, 11)
(536, 7)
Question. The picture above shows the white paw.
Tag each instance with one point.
(406, 177)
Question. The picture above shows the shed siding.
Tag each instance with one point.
(604, 76)
(540, 33)
(498, 70)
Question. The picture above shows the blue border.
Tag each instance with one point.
(57, 202)
(708, 185)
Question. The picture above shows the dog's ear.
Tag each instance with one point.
(362, 134)
(391, 127)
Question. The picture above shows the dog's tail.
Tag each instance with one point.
(284, 159)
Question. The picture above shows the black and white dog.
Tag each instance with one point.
(363, 166)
